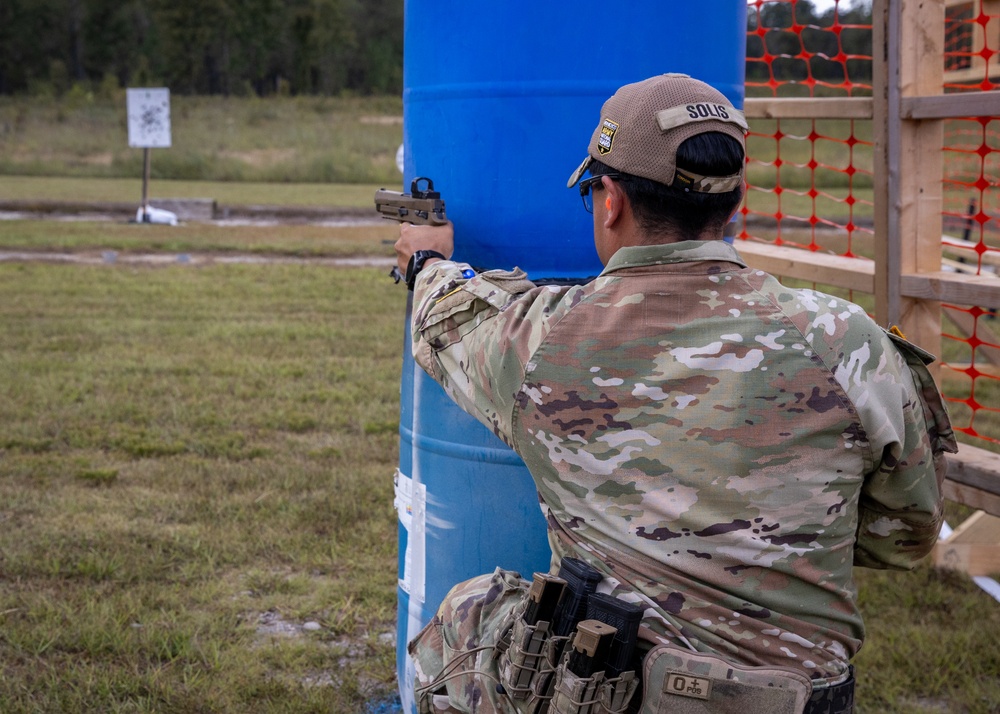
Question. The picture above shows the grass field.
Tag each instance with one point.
(292, 139)
(196, 462)
(125, 190)
(296, 240)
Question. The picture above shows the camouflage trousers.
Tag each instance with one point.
(453, 655)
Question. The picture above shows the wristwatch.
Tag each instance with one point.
(416, 264)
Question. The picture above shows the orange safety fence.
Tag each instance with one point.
(971, 216)
(809, 181)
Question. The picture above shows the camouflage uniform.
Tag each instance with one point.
(723, 448)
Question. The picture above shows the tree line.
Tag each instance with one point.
(203, 46)
(802, 43)
(263, 47)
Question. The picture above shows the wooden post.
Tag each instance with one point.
(145, 185)
(920, 164)
(885, 157)
(908, 153)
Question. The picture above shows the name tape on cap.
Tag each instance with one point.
(700, 111)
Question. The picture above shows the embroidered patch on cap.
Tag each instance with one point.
(607, 137)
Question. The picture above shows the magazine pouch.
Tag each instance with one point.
(614, 695)
(575, 694)
(527, 657)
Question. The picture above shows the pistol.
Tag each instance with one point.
(419, 207)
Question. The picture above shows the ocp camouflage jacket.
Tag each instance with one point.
(722, 447)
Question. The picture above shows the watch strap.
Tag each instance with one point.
(416, 264)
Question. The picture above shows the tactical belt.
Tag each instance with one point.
(836, 699)
(557, 672)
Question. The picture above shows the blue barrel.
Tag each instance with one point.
(500, 100)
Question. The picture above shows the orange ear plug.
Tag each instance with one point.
(607, 203)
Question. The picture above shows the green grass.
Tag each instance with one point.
(188, 454)
(129, 190)
(290, 139)
(290, 240)
(793, 153)
(932, 644)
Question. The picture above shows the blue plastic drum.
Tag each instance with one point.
(500, 100)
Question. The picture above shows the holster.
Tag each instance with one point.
(677, 681)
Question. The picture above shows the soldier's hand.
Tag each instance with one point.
(413, 238)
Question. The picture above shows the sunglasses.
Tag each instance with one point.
(588, 185)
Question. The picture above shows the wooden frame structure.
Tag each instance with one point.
(908, 109)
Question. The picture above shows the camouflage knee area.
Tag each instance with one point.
(444, 653)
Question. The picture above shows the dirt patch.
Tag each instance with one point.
(191, 209)
(347, 651)
(382, 120)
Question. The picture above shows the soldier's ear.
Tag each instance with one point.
(614, 201)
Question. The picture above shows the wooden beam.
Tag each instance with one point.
(972, 548)
(972, 497)
(948, 106)
(958, 288)
(991, 370)
(808, 108)
(974, 478)
(850, 273)
(859, 274)
(973, 76)
(969, 247)
(984, 37)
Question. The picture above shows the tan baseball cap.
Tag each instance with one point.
(644, 123)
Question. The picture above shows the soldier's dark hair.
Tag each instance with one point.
(686, 214)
